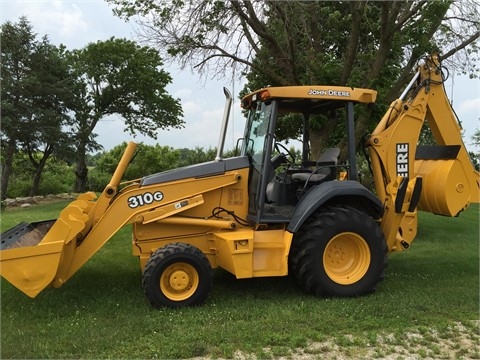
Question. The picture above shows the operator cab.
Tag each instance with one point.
(278, 179)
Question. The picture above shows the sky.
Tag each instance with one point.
(75, 23)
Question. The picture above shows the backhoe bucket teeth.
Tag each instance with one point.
(32, 254)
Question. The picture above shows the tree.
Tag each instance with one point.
(35, 89)
(57, 176)
(475, 157)
(51, 89)
(119, 77)
(476, 138)
(358, 43)
(150, 159)
(17, 45)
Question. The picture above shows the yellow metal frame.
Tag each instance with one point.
(313, 92)
(182, 210)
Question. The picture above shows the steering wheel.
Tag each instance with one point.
(279, 146)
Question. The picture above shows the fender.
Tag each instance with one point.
(348, 192)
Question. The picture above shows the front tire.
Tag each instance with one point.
(339, 251)
(177, 275)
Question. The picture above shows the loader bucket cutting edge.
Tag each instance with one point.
(32, 254)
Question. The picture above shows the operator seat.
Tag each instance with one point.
(325, 168)
(271, 166)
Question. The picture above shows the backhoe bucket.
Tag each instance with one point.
(32, 254)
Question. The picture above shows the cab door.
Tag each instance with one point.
(257, 145)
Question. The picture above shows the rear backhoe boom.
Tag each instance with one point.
(439, 178)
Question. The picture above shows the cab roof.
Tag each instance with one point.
(310, 98)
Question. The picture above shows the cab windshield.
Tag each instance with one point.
(256, 132)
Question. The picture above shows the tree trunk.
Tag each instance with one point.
(81, 170)
(36, 181)
(320, 136)
(7, 167)
(352, 47)
(34, 190)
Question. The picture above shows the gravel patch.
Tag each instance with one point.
(459, 341)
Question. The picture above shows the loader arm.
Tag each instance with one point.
(168, 199)
(85, 225)
(439, 179)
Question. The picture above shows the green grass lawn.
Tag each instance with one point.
(102, 312)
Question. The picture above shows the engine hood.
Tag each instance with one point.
(210, 168)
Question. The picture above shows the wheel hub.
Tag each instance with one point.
(346, 258)
(337, 254)
(179, 280)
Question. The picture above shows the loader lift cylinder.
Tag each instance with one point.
(111, 188)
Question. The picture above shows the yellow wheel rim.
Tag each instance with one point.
(179, 281)
(346, 258)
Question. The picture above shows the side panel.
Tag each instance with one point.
(348, 192)
(248, 253)
(197, 224)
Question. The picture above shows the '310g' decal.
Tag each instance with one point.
(144, 199)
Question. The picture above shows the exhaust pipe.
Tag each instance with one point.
(223, 132)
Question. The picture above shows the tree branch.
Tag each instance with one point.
(461, 46)
(408, 14)
(352, 46)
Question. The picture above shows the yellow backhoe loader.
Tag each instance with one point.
(264, 213)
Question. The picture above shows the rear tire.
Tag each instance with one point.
(177, 275)
(339, 251)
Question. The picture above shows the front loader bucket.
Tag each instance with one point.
(32, 254)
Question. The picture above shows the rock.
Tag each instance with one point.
(25, 200)
(10, 202)
(37, 199)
